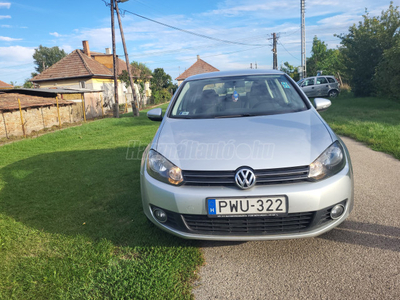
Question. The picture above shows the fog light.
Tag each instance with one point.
(160, 215)
(337, 211)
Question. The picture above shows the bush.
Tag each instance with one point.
(160, 96)
(387, 76)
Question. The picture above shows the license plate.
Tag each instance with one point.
(249, 206)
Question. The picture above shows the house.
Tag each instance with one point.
(89, 70)
(199, 67)
(4, 85)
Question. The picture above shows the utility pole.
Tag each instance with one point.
(135, 104)
(116, 103)
(275, 52)
(303, 73)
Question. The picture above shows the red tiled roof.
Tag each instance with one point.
(9, 102)
(199, 67)
(5, 85)
(77, 64)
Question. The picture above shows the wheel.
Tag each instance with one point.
(333, 94)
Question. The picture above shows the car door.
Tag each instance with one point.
(321, 87)
(308, 87)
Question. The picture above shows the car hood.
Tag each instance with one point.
(259, 142)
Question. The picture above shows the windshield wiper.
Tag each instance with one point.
(235, 116)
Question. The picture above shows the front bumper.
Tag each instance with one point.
(187, 212)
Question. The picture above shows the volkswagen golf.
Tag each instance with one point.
(244, 155)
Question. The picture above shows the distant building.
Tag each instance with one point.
(87, 70)
(4, 85)
(199, 67)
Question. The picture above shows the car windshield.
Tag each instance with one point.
(237, 97)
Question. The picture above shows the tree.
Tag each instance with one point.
(318, 54)
(291, 71)
(45, 57)
(329, 61)
(28, 84)
(364, 45)
(160, 80)
(140, 75)
(387, 76)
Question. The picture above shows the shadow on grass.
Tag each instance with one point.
(95, 193)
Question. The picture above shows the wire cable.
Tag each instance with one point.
(123, 11)
(288, 51)
(213, 55)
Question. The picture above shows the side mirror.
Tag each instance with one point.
(322, 104)
(156, 114)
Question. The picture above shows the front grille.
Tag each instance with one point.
(267, 176)
(248, 226)
(294, 222)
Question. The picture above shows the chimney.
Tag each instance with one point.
(198, 57)
(86, 49)
(108, 50)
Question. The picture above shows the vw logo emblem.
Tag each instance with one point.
(245, 178)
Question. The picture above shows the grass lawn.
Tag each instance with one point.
(375, 121)
(71, 221)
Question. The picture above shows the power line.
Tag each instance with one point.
(287, 50)
(213, 55)
(174, 51)
(193, 33)
(186, 31)
(31, 63)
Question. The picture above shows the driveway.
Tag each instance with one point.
(360, 259)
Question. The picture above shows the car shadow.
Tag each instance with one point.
(93, 193)
(365, 234)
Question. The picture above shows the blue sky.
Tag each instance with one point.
(24, 25)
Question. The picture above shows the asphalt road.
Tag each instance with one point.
(360, 259)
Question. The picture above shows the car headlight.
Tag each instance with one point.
(162, 169)
(329, 163)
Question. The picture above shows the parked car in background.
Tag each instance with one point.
(320, 86)
(244, 155)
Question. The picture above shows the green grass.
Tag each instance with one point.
(375, 121)
(71, 221)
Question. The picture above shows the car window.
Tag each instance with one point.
(331, 80)
(309, 81)
(321, 80)
(237, 97)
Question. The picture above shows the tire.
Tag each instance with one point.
(333, 94)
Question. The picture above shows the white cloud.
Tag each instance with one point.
(67, 48)
(5, 4)
(5, 17)
(11, 55)
(8, 39)
(56, 34)
(5, 26)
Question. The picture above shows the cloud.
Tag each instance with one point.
(8, 39)
(56, 34)
(5, 26)
(5, 17)
(15, 54)
(5, 5)
(67, 48)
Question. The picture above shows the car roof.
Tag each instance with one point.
(233, 73)
(319, 76)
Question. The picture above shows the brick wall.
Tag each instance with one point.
(36, 119)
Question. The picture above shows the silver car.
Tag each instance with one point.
(245, 156)
(320, 86)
